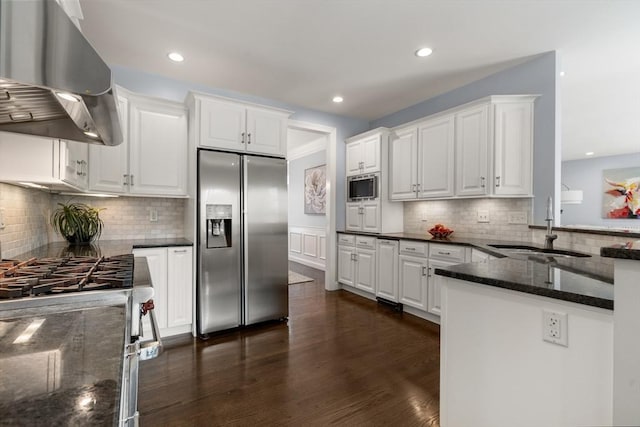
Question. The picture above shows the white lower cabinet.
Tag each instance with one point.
(357, 262)
(413, 281)
(434, 285)
(387, 275)
(171, 271)
(364, 216)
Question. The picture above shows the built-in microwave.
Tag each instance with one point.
(362, 187)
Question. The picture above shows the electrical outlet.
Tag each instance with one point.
(554, 327)
(519, 217)
(153, 215)
(2, 223)
(483, 215)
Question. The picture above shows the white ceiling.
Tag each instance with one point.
(305, 51)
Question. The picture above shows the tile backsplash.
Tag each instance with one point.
(26, 217)
(462, 216)
(27, 212)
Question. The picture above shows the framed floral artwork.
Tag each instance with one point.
(315, 190)
(621, 198)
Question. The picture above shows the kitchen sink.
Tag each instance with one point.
(531, 250)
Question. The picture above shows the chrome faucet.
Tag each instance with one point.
(549, 238)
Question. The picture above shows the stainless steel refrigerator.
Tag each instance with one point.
(242, 240)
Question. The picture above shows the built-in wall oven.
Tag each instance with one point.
(363, 187)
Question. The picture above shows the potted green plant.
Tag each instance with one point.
(77, 223)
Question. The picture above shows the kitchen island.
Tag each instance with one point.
(63, 356)
(529, 341)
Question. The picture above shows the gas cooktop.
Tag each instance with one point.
(41, 276)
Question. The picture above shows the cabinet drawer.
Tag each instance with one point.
(366, 242)
(413, 248)
(346, 239)
(447, 252)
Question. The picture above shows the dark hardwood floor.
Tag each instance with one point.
(339, 360)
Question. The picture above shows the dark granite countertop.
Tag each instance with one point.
(69, 371)
(587, 281)
(101, 247)
(592, 230)
(631, 250)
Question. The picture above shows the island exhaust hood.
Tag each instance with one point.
(52, 82)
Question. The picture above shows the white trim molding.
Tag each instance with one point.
(308, 245)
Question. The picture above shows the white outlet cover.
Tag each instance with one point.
(2, 224)
(555, 327)
(483, 215)
(517, 217)
(153, 215)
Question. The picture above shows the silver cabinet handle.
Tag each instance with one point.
(444, 253)
(179, 251)
(131, 178)
(242, 134)
(414, 188)
(78, 170)
(126, 179)
(410, 249)
(482, 179)
(429, 269)
(419, 188)
(85, 168)
(424, 271)
(249, 138)
(497, 181)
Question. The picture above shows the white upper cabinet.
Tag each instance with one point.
(403, 149)
(363, 153)
(484, 147)
(157, 147)
(513, 147)
(230, 125)
(56, 164)
(421, 158)
(110, 165)
(472, 159)
(435, 157)
(152, 160)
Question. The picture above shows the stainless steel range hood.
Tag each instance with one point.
(52, 82)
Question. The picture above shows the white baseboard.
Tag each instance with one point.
(307, 262)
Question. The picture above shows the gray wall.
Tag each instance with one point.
(167, 88)
(297, 217)
(586, 175)
(537, 76)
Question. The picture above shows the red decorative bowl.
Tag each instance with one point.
(439, 234)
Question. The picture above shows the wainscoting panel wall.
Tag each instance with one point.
(308, 246)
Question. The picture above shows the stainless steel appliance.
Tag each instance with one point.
(242, 240)
(81, 319)
(363, 187)
(52, 82)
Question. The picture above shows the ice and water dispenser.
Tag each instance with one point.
(218, 226)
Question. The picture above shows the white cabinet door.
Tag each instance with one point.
(403, 152)
(354, 216)
(371, 216)
(74, 163)
(363, 155)
(179, 286)
(513, 145)
(434, 286)
(158, 148)
(222, 125)
(435, 157)
(266, 132)
(413, 281)
(346, 265)
(366, 270)
(387, 267)
(110, 165)
(157, 261)
(353, 158)
(370, 154)
(472, 159)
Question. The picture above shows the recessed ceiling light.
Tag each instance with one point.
(589, 153)
(175, 57)
(67, 96)
(91, 134)
(338, 99)
(424, 51)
